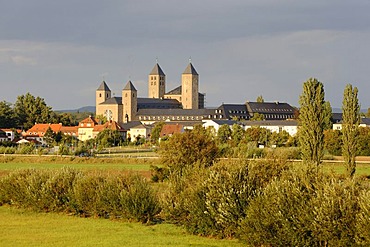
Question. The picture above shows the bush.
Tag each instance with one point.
(212, 201)
(303, 209)
(138, 200)
(363, 219)
(124, 196)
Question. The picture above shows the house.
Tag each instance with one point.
(111, 125)
(170, 129)
(364, 122)
(136, 130)
(86, 128)
(38, 131)
(217, 123)
(7, 134)
(290, 126)
(269, 110)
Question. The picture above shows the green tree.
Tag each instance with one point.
(224, 133)
(66, 119)
(6, 115)
(49, 137)
(257, 117)
(351, 121)
(188, 150)
(108, 138)
(237, 134)
(101, 119)
(156, 131)
(260, 99)
(312, 120)
(29, 110)
(364, 141)
(333, 141)
(327, 116)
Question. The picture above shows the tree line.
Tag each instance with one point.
(28, 110)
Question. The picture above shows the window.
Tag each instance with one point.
(100, 95)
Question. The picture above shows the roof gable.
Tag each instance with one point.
(190, 70)
(103, 87)
(129, 86)
(157, 70)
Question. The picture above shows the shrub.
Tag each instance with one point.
(125, 196)
(138, 200)
(212, 201)
(363, 219)
(303, 209)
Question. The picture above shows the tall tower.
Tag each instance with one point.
(156, 82)
(190, 86)
(102, 93)
(129, 102)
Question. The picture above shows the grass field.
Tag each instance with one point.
(24, 228)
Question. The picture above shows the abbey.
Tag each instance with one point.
(182, 103)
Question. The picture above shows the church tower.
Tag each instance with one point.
(156, 82)
(129, 102)
(102, 93)
(190, 86)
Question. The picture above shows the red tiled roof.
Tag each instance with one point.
(40, 129)
(90, 120)
(170, 129)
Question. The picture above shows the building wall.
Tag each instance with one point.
(101, 96)
(189, 92)
(129, 99)
(157, 86)
(116, 112)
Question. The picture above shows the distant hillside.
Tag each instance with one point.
(339, 110)
(82, 109)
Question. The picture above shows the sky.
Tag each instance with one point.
(62, 50)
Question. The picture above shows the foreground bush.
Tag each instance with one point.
(68, 190)
(212, 201)
(301, 209)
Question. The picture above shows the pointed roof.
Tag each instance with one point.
(190, 70)
(129, 86)
(103, 87)
(157, 70)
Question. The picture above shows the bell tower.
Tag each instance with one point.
(129, 102)
(156, 82)
(189, 88)
(102, 94)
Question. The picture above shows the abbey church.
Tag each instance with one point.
(182, 103)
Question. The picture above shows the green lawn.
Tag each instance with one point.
(24, 228)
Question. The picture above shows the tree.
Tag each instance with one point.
(260, 99)
(224, 133)
(156, 131)
(257, 117)
(66, 119)
(333, 141)
(237, 134)
(188, 150)
(29, 110)
(327, 116)
(351, 121)
(49, 137)
(108, 138)
(6, 115)
(312, 120)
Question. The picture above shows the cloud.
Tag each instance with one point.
(22, 60)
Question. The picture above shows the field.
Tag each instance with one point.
(24, 228)
(20, 227)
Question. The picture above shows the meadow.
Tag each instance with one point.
(19, 227)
